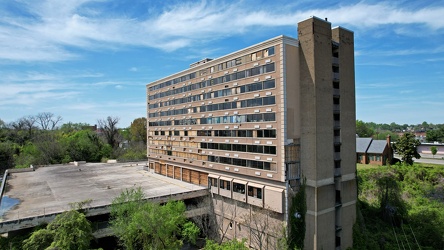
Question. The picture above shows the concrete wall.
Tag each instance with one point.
(240, 220)
(345, 38)
(318, 142)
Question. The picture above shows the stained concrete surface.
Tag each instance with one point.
(51, 189)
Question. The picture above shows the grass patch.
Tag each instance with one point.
(360, 166)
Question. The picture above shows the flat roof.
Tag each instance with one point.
(50, 189)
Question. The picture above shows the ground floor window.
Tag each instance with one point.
(238, 188)
(255, 192)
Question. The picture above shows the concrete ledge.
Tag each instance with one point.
(29, 222)
(19, 170)
(2, 187)
(111, 161)
(77, 163)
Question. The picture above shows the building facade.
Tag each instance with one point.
(251, 124)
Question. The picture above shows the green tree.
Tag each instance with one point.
(69, 230)
(434, 150)
(28, 154)
(70, 127)
(138, 129)
(296, 219)
(435, 135)
(50, 148)
(406, 146)
(190, 232)
(233, 244)
(362, 130)
(7, 150)
(40, 239)
(83, 145)
(140, 224)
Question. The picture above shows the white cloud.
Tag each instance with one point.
(52, 28)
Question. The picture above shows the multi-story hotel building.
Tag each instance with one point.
(251, 124)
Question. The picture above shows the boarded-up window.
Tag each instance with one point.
(157, 168)
(177, 173)
(186, 175)
(170, 170)
(195, 177)
(203, 179)
(162, 169)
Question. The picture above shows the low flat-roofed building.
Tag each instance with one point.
(48, 191)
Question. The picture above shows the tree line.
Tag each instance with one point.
(379, 131)
(43, 139)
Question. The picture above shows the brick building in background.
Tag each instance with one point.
(251, 124)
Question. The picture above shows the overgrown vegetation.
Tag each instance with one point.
(233, 244)
(400, 206)
(296, 219)
(140, 224)
(39, 140)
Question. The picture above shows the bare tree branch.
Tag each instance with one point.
(47, 120)
(109, 129)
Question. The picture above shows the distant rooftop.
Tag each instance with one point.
(368, 145)
(200, 62)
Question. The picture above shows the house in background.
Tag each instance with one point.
(370, 151)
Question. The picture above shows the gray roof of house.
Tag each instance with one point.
(377, 146)
(362, 144)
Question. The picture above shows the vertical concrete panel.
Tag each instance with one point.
(347, 94)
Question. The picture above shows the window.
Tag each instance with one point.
(269, 67)
(336, 85)
(337, 132)
(225, 184)
(212, 182)
(337, 148)
(271, 51)
(336, 100)
(269, 117)
(269, 84)
(255, 192)
(338, 163)
(269, 100)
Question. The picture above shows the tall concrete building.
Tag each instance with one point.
(252, 124)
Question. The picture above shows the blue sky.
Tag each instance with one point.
(88, 59)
